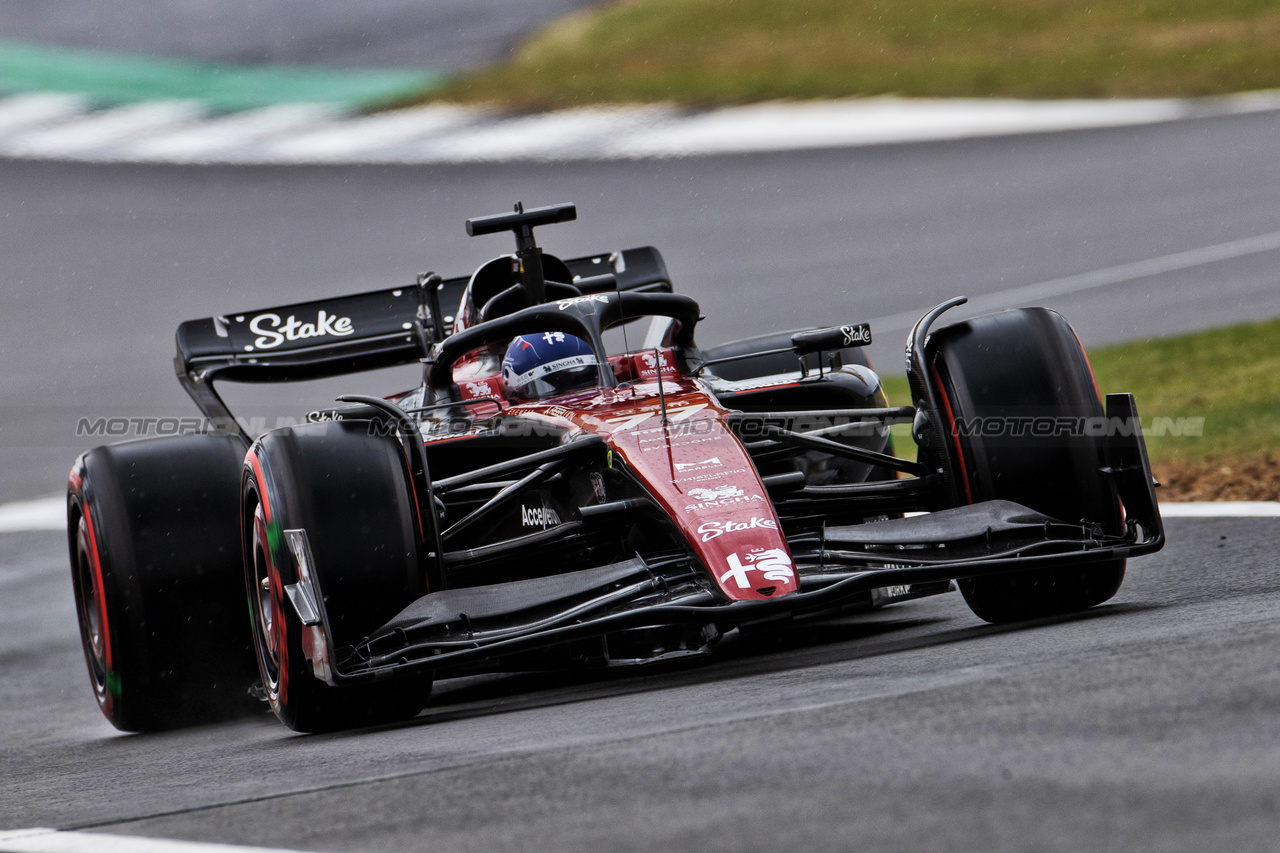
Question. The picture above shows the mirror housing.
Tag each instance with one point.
(830, 339)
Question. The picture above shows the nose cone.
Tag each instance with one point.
(757, 572)
(705, 480)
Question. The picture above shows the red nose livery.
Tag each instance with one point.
(678, 447)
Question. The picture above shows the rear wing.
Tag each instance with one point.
(351, 334)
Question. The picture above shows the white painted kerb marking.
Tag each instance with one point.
(89, 137)
(43, 127)
(876, 121)
(365, 137)
(38, 840)
(23, 112)
(220, 137)
(559, 135)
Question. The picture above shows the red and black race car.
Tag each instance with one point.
(542, 502)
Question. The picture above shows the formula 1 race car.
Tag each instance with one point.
(548, 499)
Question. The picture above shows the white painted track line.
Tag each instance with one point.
(1034, 294)
(1221, 509)
(50, 513)
(91, 136)
(40, 514)
(40, 840)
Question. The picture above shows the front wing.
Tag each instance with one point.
(472, 627)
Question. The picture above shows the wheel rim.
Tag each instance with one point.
(92, 634)
(264, 605)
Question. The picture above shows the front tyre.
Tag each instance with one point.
(348, 491)
(1019, 386)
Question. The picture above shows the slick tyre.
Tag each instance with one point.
(1025, 372)
(348, 491)
(154, 538)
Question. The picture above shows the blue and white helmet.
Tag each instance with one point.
(546, 364)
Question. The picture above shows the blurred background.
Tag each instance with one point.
(833, 160)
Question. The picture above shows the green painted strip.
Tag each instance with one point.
(111, 78)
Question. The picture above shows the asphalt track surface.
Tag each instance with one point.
(1148, 723)
(443, 35)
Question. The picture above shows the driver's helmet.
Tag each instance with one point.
(546, 364)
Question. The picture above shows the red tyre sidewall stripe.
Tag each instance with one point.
(955, 433)
(417, 507)
(252, 459)
(1087, 363)
(277, 586)
(1124, 512)
(77, 485)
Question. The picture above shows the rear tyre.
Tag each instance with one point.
(154, 539)
(349, 492)
(1027, 369)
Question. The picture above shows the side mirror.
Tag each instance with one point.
(834, 338)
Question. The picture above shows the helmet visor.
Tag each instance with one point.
(561, 376)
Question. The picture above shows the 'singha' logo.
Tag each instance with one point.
(716, 493)
(718, 496)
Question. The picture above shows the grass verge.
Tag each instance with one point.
(728, 51)
(1228, 377)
